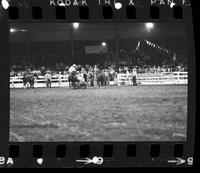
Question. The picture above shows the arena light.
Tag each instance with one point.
(149, 25)
(103, 44)
(12, 30)
(75, 25)
(118, 5)
(5, 4)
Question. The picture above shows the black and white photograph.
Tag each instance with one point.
(103, 81)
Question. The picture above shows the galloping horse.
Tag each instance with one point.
(29, 79)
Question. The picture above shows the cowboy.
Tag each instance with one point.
(48, 79)
(85, 76)
(91, 78)
(127, 76)
(107, 76)
(60, 79)
(134, 76)
(72, 69)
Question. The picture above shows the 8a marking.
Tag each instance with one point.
(8, 161)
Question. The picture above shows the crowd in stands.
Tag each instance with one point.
(23, 63)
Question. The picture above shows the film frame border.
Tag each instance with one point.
(73, 149)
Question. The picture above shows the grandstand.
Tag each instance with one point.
(112, 47)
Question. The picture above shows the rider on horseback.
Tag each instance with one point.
(72, 75)
(75, 78)
(72, 69)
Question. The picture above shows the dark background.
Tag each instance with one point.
(54, 40)
(4, 90)
(196, 21)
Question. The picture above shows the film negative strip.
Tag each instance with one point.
(97, 83)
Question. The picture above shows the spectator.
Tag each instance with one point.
(134, 75)
(48, 79)
(107, 79)
(91, 78)
(85, 76)
(60, 79)
(127, 76)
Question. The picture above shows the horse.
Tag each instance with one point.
(72, 79)
(29, 79)
(76, 81)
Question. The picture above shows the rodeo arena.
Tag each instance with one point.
(98, 82)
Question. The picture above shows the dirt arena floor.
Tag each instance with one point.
(125, 113)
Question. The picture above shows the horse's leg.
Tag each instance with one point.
(69, 80)
(33, 84)
(73, 85)
(24, 85)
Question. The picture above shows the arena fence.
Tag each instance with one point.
(168, 78)
(165, 78)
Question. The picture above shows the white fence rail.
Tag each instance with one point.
(155, 79)
(170, 78)
(17, 82)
